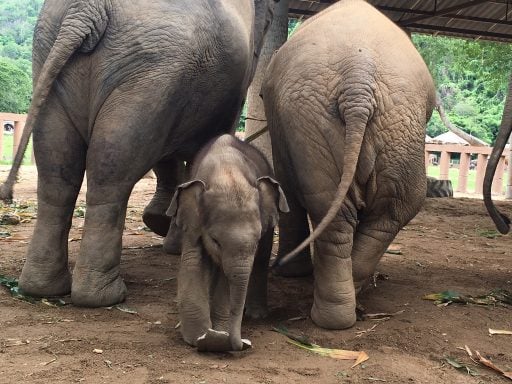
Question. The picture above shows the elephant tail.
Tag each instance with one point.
(82, 28)
(356, 107)
(501, 221)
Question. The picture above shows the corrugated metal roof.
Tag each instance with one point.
(475, 19)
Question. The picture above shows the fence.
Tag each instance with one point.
(446, 151)
(465, 151)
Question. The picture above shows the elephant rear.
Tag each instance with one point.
(347, 100)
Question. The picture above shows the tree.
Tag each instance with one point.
(15, 87)
(256, 120)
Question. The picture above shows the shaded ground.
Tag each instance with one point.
(444, 247)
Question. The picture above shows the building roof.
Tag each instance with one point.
(449, 138)
(475, 19)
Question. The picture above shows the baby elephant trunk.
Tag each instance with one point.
(238, 278)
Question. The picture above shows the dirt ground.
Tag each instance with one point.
(444, 247)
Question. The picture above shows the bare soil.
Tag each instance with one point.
(444, 247)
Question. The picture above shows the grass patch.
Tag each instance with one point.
(7, 156)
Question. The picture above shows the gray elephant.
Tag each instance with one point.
(347, 100)
(502, 221)
(121, 87)
(226, 214)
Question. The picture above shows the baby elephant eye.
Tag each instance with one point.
(215, 241)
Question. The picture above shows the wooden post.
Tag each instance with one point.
(445, 166)
(480, 172)
(465, 159)
(497, 182)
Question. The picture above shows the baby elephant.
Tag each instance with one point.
(226, 214)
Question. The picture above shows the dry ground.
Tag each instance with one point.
(444, 247)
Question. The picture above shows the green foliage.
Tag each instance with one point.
(17, 22)
(15, 87)
(471, 79)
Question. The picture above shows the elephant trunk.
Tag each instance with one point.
(238, 278)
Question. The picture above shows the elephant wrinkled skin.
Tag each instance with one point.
(121, 87)
(347, 100)
(226, 215)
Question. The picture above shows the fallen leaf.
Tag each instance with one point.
(455, 364)
(497, 296)
(499, 332)
(381, 316)
(478, 358)
(341, 354)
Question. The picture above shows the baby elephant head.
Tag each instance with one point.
(225, 219)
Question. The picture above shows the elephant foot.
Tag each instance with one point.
(94, 289)
(157, 222)
(256, 311)
(154, 214)
(172, 243)
(39, 281)
(215, 341)
(333, 316)
(300, 266)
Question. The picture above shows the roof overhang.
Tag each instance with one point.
(473, 19)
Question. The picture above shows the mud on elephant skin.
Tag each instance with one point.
(226, 215)
(347, 100)
(121, 87)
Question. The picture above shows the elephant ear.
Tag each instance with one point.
(186, 195)
(272, 199)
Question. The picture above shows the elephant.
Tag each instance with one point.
(121, 87)
(501, 221)
(226, 214)
(439, 188)
(347, 100)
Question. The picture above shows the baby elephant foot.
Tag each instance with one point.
(43, 281)
(333, 316)
(215, 341)
(95, 289)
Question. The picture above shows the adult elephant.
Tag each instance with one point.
(122, 86)
(502, 221)
(347, 100)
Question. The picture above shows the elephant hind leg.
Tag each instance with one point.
(60, 158)
(376, 231)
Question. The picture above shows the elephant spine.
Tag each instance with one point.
(81, 29)
(356, 105)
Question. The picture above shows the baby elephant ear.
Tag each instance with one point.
(282, 203)
(173, 207)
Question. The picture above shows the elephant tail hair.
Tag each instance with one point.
(501, 221)
(356, 107)
(82, 28)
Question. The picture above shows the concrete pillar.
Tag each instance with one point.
(444, 164)
(480, 173)
(18, 131)
(465, 159)
(2, 141)
(497, 182)
(508, 190)
(427, 160)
